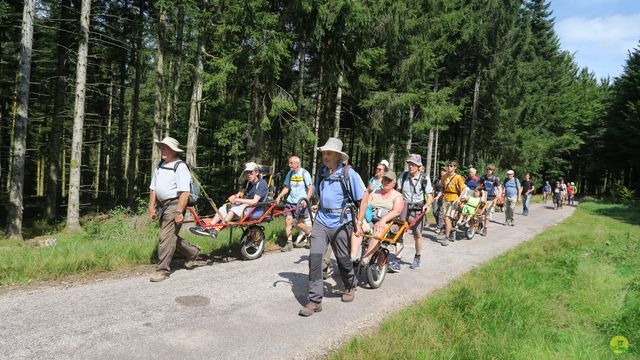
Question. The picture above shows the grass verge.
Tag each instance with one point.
(120, 241)
(562, 295)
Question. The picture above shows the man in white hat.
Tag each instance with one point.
(512, 194)
(170, 186)
(255, 192)
(417, 192)
(337, 186)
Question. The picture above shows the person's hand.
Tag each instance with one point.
(303, 205)
(358, 232)
(380, 227)
(179, 218)
(426, 208)
(518, 199)
(277, 200)
(152, 213)
(314, 208)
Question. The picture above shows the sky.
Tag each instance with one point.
(599, 33)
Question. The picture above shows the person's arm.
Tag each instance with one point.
(519, 190)
(283, 192)
(363, 209)
(183, 199)
(152, 205)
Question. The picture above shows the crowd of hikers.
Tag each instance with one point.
(454, 200)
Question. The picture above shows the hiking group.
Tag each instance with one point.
(454, 199)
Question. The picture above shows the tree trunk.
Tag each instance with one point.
(172, 100)
(336, 124)
(436, 172)
(409, 135)
(107, 160)
(14, 216)
(474, 118)
(196, 100)
(55, 137)
(316, 118)
(135, 109)
(73, 206)
(159, 91)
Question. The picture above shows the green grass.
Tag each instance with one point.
(562, 295)
(117, 243)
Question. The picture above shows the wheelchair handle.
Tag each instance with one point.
(305, 200)
(349, 208)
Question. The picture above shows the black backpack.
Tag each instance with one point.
(344, 182)
(195, 187)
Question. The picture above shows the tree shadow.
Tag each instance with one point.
(629, 214)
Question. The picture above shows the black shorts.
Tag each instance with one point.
(299, 213)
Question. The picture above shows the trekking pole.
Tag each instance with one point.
(304, 200)
(211, 202)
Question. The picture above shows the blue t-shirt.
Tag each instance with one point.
(260, 188)
(374, 184)
(511, 187)
(547, 188)
(332, 197)
(297, 183)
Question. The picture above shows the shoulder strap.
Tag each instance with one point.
(403, 178)
(346, 183)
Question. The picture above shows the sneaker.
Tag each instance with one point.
(287, 247)
(415, 264)
(437, 231)
(512, 223)
(348, 295)
(444, 242)
(302, 238)
(199, 230)
(159, 276)
(310, 309)
(394, 266)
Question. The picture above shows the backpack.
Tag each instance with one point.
(303, 180)
(344, 182)
(424, 181)
(489, 184)
(195, 187)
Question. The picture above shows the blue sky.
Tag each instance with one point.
(599, 32)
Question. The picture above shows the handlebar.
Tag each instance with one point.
(304, 200)
(354, 214)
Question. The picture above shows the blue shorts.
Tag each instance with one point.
(298, 213)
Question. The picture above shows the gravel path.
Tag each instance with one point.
(236, 310)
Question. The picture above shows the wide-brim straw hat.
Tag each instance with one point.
(335, 145)
(172, 143)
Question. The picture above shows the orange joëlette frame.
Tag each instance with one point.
(404, 225)
(270, 209)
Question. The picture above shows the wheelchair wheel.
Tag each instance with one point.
(252, 242)
(470, 232)
(377, 269)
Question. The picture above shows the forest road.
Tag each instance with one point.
(234, 310)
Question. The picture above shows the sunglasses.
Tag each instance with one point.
(380, 169)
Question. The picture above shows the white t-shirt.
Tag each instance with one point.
(168, 184)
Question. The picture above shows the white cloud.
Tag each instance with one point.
(600, 43)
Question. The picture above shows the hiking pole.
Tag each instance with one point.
(211, 202)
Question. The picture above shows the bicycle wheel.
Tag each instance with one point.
(252, 242)
(377, 269)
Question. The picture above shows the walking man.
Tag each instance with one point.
(337, 186)
(527, 192)
(416, 190)
(438, 193)
(170, 186)
(493, 187)
(513, 193)
(453, 190)
(298, 185)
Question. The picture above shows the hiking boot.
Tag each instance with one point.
(287, 247)
(159, 276)
(444, 242)
(348, 295)
(300, 240)
(452, 236)
(415, 264)
(192, 263)
(512, 223)
(394, 266)
(310, 309)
